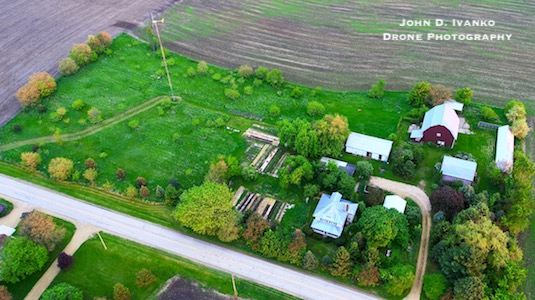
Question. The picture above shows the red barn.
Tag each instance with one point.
(440, 126)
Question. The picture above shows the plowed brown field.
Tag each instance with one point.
(338, 43)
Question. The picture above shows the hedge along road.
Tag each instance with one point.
(415, 193)
(247, 267)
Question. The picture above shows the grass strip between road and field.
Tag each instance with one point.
(96, 270)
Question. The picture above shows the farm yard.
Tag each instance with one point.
(338, 43)
(226, 126)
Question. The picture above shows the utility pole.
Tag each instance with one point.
(155, 24)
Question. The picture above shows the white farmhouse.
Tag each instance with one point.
(395, 202)
(505, 148)
(332, 214)
(368, 146)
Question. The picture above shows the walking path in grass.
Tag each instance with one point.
(90, 130)
(415, 193)
(289, 280)
(83, 233)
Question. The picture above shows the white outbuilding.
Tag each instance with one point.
(395, 202)
(456, 169)
(5, 230)
(368, 146)
(505, 148)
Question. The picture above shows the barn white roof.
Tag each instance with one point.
(369, 143)
(505, 147)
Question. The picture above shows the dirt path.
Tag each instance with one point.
(416, 194)
(83, 232)
(90, 130)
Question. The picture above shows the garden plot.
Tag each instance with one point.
(269, 208)
(263, 152)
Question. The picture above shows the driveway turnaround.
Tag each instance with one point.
(242, 265)
(415, 193)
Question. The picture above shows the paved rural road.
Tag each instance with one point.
(244, 266)
(416, 194)
(35, 35)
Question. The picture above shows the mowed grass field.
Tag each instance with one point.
(96, 271)
(338, 43)
(181, 141)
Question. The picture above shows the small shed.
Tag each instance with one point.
(505, 148)
(7, 231)
(369, 146)
(456, 169)
(395, 202)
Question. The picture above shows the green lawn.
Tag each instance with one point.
(8, 206)
(182, 141)
(96, 270)
(20, 289)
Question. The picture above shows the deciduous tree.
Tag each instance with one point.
(63, 291)
(121, 292)
(30, 160)
(419, 94)
(41, 229)
(254, 229)
(342, 264)
(20, 258)
(447, 200)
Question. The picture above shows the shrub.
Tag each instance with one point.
(64, 260)
(464, 95)
(144, 278)
(310, 262)
(245, 71)
(369, 276)
(275, 78)
(121, 292)
(377, 91)
(120, 174)
(438, 94)
(520, 128)
(63, 291)
(315, 108)
(4, 293)
(141, 181)
(67, 66)
(94, 115)
(249, 173)
(435, 285)
(261, 72)
(274, 110)
(257, 82)
(61, 112)
(202, 67)
(364, 170)
(17, 128)
(39, 85)
(95, 44)
(60, 168)
(90, 175)
(30, 160)
(28, 95)
(144, 192)
(78, 104)
(296, 93)
(133, 124)
(217, 77)
(375, 196)
(310, 190)
(419, 93)
(232, 94)
(105, 38)
(488, 114)
(82, 54)
(248, 90)
(131, 192)
(190, 72)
